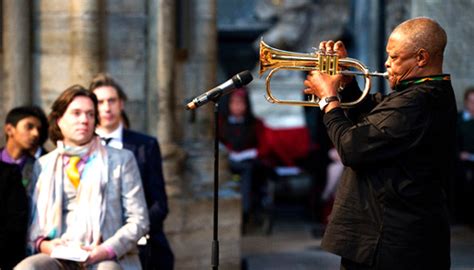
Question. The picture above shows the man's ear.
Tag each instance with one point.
(422, 57)
(8, 129)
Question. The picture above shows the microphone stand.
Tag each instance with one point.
(213, 95)
(215, 241)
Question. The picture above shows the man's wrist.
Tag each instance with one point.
(332, 105)
(329, 100)
(110, 252)
(38, 243)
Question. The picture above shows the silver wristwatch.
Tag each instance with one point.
(325, 101)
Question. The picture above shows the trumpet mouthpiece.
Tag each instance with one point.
(384, 74)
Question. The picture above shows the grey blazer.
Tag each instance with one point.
(126, 219)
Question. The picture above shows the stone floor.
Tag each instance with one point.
(291, 245)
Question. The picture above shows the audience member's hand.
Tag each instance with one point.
(47, 246)
(464, 155)
(97, 254)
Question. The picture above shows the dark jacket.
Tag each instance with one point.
(399, 152)
(148, 156)
(465, 133)
(26, 170)
(13, 216)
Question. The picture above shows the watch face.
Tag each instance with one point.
(322, 103)
(325, 101)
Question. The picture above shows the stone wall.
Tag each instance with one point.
(66, 50)
(455, 18)
(126, 54)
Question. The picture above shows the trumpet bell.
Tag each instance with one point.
(275, 59)
(271, 58)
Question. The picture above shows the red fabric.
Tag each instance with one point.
(250, 140)
(282, 147)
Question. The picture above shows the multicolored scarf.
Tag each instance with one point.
(89, 212)
(405, 83)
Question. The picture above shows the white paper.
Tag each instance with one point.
(71, 253)
(243, 155)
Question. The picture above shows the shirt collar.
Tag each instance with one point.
(80, 165)
(5, 156)
(115, 135)
(38, 152)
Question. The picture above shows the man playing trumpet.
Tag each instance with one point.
(398, 150)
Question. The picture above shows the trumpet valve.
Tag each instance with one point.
(328, 63)
(313, 99)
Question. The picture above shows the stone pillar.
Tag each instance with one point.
(126, 56)
(189, 226)
(369, 38)
(16, 40)
(205, 44)
(67, 47)
(85, 40)
(167, 128)
(200, 76)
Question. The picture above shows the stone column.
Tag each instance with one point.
(200, 76)
(369, 38)
(67, 47)
(189, 226)
(205, 57)
(16, 40)
(172, 154)
(85, 40)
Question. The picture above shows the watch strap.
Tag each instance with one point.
(325, 101)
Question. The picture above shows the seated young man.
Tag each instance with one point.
(22, 131)
(86, 197)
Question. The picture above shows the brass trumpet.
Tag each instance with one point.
(275, 59)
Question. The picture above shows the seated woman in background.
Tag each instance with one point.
(241, 133)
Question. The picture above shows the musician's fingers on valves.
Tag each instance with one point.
(330, 47)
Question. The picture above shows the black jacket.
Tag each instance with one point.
(13, 216)
(148, 155)
(399, 152)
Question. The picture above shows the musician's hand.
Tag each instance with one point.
(331, 47)
(322, 84)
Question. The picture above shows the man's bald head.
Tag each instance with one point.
(424, 33)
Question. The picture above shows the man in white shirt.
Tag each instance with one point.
(157, 254)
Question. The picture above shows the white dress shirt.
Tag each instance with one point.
(116, 136)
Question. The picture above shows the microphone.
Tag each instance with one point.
(237, 81)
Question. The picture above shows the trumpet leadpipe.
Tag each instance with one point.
(360, 73)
